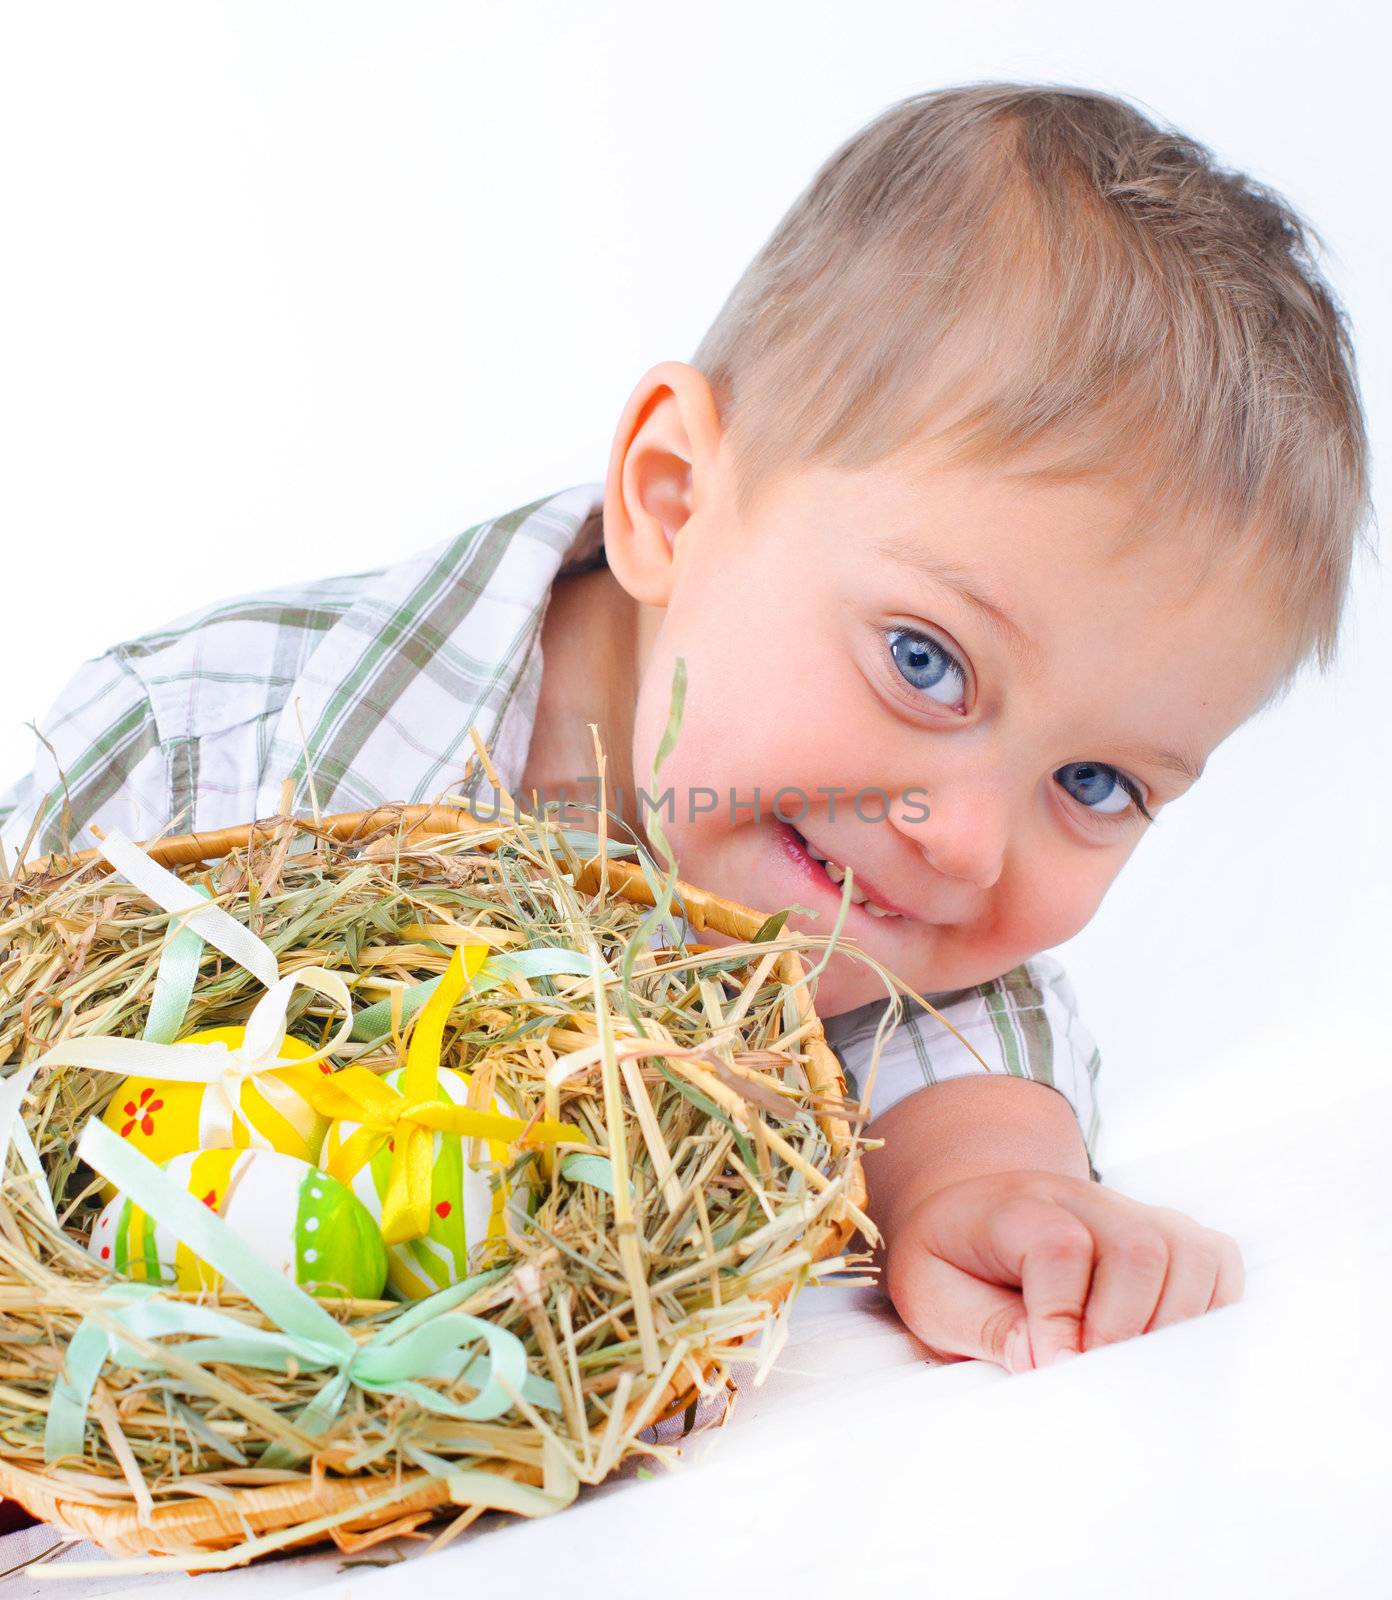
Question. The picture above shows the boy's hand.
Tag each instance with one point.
(1019, 1267)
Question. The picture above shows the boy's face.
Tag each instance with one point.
(823, 653)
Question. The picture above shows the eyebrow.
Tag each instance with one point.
(1172, 760)
(960, 581)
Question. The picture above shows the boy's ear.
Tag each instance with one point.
(660, 469)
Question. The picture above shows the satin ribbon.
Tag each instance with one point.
(598, 1171)
(429, 1341)
(175, 978)
(257, 1057)
(374, 1022)
(151, 1058)
(409, 1118)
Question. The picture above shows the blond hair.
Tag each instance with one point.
(1007, 269)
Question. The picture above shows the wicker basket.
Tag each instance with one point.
(218, 1526)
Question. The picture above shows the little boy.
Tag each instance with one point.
(1024, 463)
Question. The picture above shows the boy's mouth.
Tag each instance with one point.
(827, 872)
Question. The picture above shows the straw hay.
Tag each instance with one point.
(704, 1080)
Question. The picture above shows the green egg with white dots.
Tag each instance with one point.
(296, 1217)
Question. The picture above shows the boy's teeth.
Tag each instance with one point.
(837, 874)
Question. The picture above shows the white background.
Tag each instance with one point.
(296, 289)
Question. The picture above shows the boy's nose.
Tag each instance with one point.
(963, 835)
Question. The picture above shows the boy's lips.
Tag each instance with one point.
(794, 848)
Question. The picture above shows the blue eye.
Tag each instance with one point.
(1100, 788)
(925, 665)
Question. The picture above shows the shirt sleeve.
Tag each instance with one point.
(1024, 1024)
(97, 758)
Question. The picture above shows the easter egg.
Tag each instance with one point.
(298, 1219)
(469, 1199)
(164, 1118)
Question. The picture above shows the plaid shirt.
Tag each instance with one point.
(360, 690)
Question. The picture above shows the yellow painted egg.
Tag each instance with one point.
(297, 1218)
(163, 1118)
(469, 1199)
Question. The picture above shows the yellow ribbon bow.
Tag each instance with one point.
(410, 1117)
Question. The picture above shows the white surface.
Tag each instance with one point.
(1240, 1453)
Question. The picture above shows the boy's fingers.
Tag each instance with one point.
(954, 1313)
(1132, 1262)
(1191, 1280)
(1231, 1277)
(1092, 1208)
(1051, 1252)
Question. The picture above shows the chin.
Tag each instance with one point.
(846, 984)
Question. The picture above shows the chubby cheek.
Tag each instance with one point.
(745, 725)
(1048, 902)
(688, 765)
(1028, 912)
(1047, 910)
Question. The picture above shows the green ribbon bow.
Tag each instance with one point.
(430, 1340)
